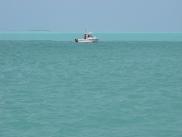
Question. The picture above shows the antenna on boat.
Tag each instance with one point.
(85, 30)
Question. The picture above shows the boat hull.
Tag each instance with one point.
(86, 40)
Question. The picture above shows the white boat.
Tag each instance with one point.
(87, 38)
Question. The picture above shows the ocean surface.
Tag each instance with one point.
(111, 88)
(58, 36)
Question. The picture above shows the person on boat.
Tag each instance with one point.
(85, 36)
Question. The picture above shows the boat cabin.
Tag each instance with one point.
(87, 35)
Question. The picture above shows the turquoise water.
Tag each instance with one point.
(57, 36)
(107, 89)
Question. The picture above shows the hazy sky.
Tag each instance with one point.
(95, 15)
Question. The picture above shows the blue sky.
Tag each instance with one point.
(95, 15)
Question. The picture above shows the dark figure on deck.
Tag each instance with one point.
(85, 36)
